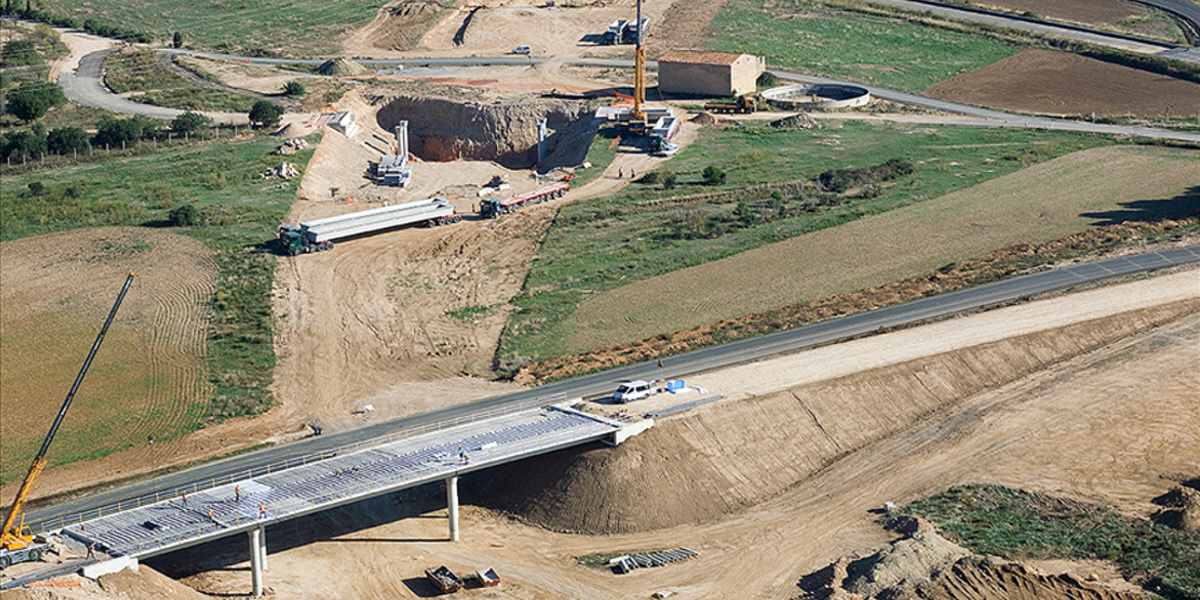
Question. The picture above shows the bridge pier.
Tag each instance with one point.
(452, 500)
(258, 558)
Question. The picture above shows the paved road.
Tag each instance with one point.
(697, 361)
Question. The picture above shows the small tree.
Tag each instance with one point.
(294, 89)
(19, 53)
(177, 40)
(113, 131)
(24, 145)
(265, 114)
(713, 175)
(184, 215)
(66, 140)
(190, 122)
(31, 101)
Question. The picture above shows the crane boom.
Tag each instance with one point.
(12, 538)
(639, 75)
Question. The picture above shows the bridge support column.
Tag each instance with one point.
(256, 556)
(452, 500)
(262, 538)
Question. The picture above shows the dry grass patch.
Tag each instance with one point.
(146, 380)
(1042, 203)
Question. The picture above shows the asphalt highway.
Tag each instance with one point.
(599, 384)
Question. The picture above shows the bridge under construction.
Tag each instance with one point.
(401, 461)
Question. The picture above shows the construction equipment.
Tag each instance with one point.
(741, 104)
(17, 543)
(492, 208)
(617, 32)
(318, 235)
(444, 579)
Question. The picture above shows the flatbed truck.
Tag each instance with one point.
(320, 234)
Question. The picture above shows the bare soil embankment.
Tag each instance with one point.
(720, 460)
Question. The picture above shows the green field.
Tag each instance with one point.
(817, 38)
(295, 28)
(1013, 524)
(645, 231)
(142, 72)
(238, 215)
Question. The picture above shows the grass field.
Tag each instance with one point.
(645, 231)
(297, 28)
(818, 38)
(1013, 524)
(1045, 202)
(141, 71)
(239, 213)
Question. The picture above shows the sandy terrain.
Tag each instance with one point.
(1058, 83)
(81, 44)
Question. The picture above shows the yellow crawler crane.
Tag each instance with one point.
(16, 541)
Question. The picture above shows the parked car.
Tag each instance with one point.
(522, 50)
(633, 390)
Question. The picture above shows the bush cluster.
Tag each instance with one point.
(840, 180)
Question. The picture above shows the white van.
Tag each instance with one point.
(633, 390)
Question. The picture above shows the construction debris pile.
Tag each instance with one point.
(629, 562)
(291, 147)
(797, 121)
(284, 170)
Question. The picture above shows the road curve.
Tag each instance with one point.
(690, 363)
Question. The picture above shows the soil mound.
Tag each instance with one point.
(443, 129)
(292, 130)
(147, 583)
(798, 121)
(704, 119)
(341, 67)
(1181, 509)
(925, 565)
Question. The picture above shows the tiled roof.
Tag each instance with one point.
(699, 58)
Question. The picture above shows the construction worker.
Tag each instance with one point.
(92, 550)
(620, 172)
(262, 510)
(237, 493)
(184, 495)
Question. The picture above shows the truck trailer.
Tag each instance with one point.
(493, 208)
(320, 234)
(616, 32)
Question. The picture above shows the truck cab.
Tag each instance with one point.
(633, 390)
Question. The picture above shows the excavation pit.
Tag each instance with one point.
(502, 131)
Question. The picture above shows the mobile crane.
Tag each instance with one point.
(17, 543)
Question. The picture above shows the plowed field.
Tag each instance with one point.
(1058, 83)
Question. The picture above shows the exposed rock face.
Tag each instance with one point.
(442, 129)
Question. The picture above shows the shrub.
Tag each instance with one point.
(113, 131)
(265, 114)
(37, 188)
(713, 175)
(669, 180)
(650, 178)
(190, 122)
(177, 40)
(66, 140)
(184, 215)
(294, 89)
(23, 145)
(32, 99)
(18, 53)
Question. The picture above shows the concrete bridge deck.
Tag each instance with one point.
(248, 505)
